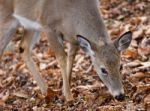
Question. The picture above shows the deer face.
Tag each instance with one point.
(106, 60)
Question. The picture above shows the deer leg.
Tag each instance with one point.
(70, 59)
(28, 42)
(7, 29)
(7, 24)
(61, 57)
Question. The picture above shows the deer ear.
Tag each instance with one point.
(85, 45)
(124, 41)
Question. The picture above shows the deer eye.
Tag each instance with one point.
(104, 71)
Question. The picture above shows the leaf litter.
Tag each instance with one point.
(19, 92)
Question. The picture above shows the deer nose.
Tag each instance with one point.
(120, 97)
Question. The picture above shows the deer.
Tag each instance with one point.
(78, 22)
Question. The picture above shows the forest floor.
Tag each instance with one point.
(19, 92)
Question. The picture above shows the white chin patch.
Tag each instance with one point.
(28, 24)
(117, 92)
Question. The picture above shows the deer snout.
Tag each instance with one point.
(118, 94)
(120, 97)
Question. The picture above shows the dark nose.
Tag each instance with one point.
(120, 97)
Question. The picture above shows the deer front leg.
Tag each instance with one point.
(72, 49)
(29, 40)
(7, 29)
(7, 24)
(61, 57)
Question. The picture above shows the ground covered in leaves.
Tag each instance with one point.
(19, 92)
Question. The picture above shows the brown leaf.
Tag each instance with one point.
(8, 53)
(144, 51)
(142, 91)
(133, 64)
(148, 31)
(20, 95)
(138, 76)
(115, 32)
(49, 53)
(43, 37)
(51, 94)
(145, 65)
(147, 102)
(138, 34)
(103, 99)
(144, 48)
(20, 30)
(88, 87)
(134, 43)
(2, 103)
(42, 66)
(5, 97)
(110, 108)
(130, 53)
(135, 21)
(2, 72)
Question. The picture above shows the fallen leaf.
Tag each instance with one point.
(144, 51)
(5, 97)
(20, 30)
(144, 48)
(42, 66)
(110, 108)
(43, 36)
(138, 76)
(130, 53)
(145, 65)
(133, 64)
(135, 21)
(134, 43)
(147, 31)
(51, 64)
(147, 102)
(48, 53)
(36, 108)
(2, 72)
(51, 94)
(138, 34)
(2, 103)
(88, 87)
(21, 95)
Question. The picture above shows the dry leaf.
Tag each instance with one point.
(145, 65)
(51, 94)
(20, 95)
(43, 66)
(49, 53)
(110, 108)
(134, 43)
(43, 37)
(147, 31)
(5, 97)
(138, 34)
(129, 53)
(144, 51)
(147, 102)
(2, 103)
(2, 72)
(133, 64)
(138, 76)
(135, 21)
(88, 87)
